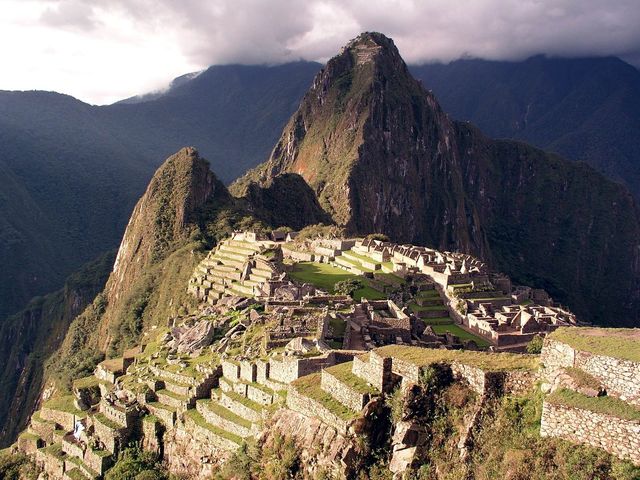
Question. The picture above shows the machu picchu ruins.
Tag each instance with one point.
(273, 345)
(391, 295)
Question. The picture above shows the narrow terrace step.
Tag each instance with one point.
(232, 254)
(241, 244)
(85, 472)
(347, 388)
(165, 413)
(220, 437)
(176, 387)
(241, 406)
(217, 415)
(179, 402)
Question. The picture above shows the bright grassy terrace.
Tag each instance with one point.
(488, 361)
(326, 276)
(460, 333)
(623, 343)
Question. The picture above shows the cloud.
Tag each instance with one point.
(151, 40)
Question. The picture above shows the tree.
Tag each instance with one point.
(347, 287)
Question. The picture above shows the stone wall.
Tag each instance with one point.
(221, 422)
(65, 419)
(108, 436)
(311, 408)
(378, 372)
(248, 371)
(621, 378)
(475, 377)
(96, 461)
(520, 382)
(343, 393)
(193, 451)
(230, 370)
(617, 436)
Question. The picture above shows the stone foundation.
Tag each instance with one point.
(615, 435)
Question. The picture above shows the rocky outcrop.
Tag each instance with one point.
(162, 220)
(382, 156)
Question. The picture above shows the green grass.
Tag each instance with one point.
(309, 386)
(623, 343)
(428, 294)
(438, 321)
(64, 404)
(325, 276)
(199, 420)
(429, 308)
(55, 450)
(241, 399)
(343, 373)
(107, 422)
(219, 410)
(461, 333)
(338, 327)
(488, 361)
(86, 382)
(29, 436)
(582, 378)
(605, 405)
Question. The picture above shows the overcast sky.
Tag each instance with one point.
(104, 50)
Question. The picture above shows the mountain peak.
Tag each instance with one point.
(370, 46)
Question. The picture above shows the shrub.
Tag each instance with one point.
(535, 345)
(134, 464)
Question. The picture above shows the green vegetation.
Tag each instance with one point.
(326, 276)
(460, 333)
(219, 410)
(509, 446)
(605, 405)
(17, 466)
(485, 360)
(582, 378)
(135, 464)
(309, 386)
(611, 342)
(277, 457)
(63, 404)
(342, 372)
(347, 287)
(438, 321)
(535, 345)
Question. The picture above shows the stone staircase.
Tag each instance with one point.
(174, 393)
(235, 267)
(238, 407)
(49, 438)
(336, 395)
(429, 304)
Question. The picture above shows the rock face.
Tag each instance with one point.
(164, 216)
(382, 156)
(31, 335)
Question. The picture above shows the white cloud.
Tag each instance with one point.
(104, 50)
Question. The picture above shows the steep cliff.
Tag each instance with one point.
(163, 220)
(32, 335)
(382, 156)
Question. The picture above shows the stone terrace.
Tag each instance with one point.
(235, 267)
(338, 394)
(593, 375)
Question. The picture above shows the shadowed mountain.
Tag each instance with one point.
(382, 156)
(72, 172)
(584, 109)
